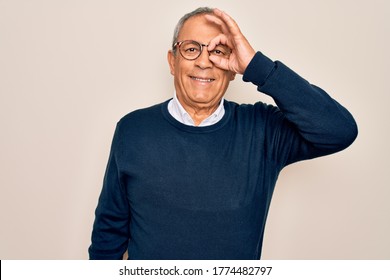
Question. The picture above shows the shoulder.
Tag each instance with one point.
(141, 116)
(140, 122)
(246, 110)
(258, 117)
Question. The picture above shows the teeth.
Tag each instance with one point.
(202, 80)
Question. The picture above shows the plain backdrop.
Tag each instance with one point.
(69, 70)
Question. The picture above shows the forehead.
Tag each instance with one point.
(200, 29)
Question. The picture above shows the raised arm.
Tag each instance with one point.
(308, 122)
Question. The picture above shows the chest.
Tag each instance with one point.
(208, 173)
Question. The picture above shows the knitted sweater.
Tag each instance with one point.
(173, 191)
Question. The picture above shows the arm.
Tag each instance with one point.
(308, 122)
(110, 233)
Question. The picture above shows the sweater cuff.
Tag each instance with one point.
(258, 70)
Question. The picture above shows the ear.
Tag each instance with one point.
(171, 62)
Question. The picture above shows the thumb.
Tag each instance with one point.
(220, 62)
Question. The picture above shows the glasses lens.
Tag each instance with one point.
(190, 49)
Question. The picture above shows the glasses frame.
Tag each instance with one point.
(179, 43)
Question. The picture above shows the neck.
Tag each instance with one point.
(199, 112)
(199, 116)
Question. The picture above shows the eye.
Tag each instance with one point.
(191, 50)
(221, 50)
(218, 52)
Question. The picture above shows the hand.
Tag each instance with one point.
(242, 51)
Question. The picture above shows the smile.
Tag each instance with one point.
(204, 80)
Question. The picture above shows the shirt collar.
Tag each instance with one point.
(180, 114)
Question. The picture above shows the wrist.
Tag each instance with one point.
(258, 69)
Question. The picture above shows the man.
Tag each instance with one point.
(193, 177)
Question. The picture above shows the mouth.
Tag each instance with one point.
(203, 80)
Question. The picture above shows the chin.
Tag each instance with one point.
(202, 97)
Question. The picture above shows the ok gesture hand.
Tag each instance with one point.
(242, 51)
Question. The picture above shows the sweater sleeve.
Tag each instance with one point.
(308, 123)
(110, 233)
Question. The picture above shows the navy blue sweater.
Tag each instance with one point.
(173, 191)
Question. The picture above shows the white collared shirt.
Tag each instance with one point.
(180, 114)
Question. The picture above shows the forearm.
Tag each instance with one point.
(318, 119)
(110, 233)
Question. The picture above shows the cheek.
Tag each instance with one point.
(225, 80)
(180, 69)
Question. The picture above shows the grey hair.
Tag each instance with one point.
(179, 25)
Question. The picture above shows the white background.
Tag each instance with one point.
(70, 69)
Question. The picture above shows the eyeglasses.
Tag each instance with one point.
(191, 50)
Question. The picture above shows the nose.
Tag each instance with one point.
(203, 60)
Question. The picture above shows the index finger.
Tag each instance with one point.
(229, 21)
(219, 22)
(221, 39)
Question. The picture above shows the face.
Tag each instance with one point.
(198, 83)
